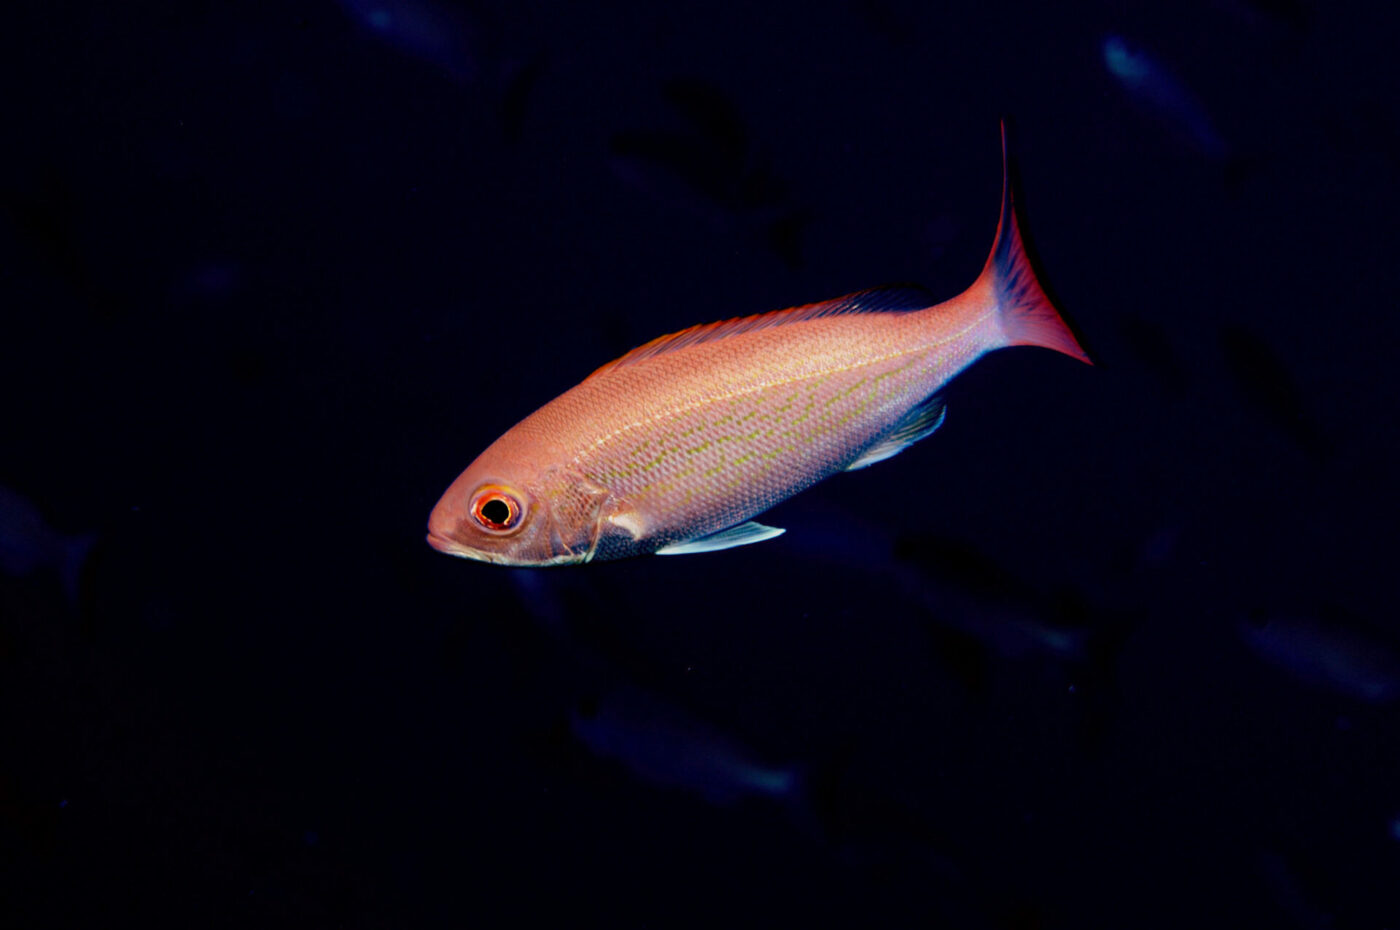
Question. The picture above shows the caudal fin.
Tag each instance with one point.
(1027, 315)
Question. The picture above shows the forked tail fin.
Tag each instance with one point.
(1027, 315)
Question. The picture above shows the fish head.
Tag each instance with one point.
(508, 510)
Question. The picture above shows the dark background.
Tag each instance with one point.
(1115, 648)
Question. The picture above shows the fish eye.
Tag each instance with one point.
(496, 509)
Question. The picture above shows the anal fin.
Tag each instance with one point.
(740, 535)
(917, 424)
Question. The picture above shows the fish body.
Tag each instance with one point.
(675, 446)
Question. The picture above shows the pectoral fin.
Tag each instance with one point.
(740, 535)
(917, 424)
(629, 521)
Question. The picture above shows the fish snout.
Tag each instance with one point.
(442, 526)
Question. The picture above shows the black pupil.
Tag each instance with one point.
(495, 511)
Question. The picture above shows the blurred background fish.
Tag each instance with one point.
(629, 723)
(1265, 384)
(1290, 16)
(710, 166)
(28, 545)
(661, 743)
(451, 37)
(1283, 878)
(960, 588)
(468, 43)
(1329, 649)
(1162, 95)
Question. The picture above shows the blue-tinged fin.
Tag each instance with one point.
(917, 424)
(895, 298)
(1008, 281)
(741, 535)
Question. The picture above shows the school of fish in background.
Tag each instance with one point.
(602, 663)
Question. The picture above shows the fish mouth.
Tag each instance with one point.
(449, 547)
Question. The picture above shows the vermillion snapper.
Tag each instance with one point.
(674, 447)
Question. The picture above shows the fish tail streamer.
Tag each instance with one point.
(1027, 316)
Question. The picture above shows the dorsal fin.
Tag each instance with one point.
(894, 298)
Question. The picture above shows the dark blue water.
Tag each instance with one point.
(1117, 647)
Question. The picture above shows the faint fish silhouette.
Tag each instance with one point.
(1329, 649)
(979, 610)
(1266, 385)
(519, 91)
(976, 610)
(661, 743)
(711, 169)
(29, 545)
(1292, 15)
(1283, 879)
(449, 37)
(1154, 86)
(627, 721)
(969, 592)
(47, 219)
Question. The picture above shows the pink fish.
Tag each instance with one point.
(676, 446)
